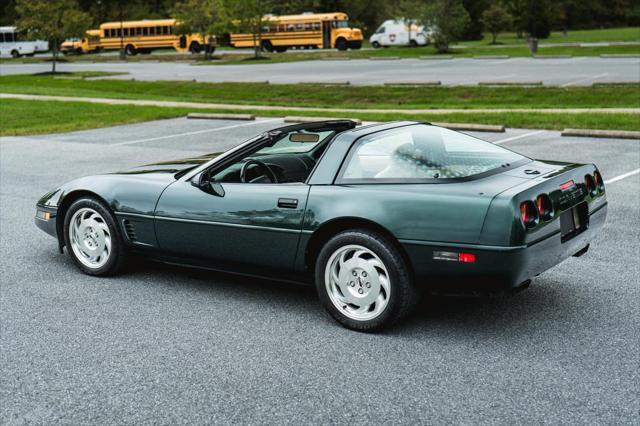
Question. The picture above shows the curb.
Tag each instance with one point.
(384, 58)
(426, 58)
(615, 83)
(326, 83)
(220, 116)
(412, 83)
(510, 83)
(336, 58)
(552, 56)
(292, 119)
(620, 56)
(492, 57)
(246, 82)
(472, 127)
(615, 134)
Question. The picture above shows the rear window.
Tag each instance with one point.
(419, 152)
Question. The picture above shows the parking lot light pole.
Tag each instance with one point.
(122, 53)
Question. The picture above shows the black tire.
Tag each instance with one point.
(404, 294)
(280, 49)
(195, 47)
(129, 50)
(375, 45)
(413, 43)
(117, 257)
(267, 46)
(341, 44)
(15, 54)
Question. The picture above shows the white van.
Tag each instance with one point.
(11, 46)
(399, 33)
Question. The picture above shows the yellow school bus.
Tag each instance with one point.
(308, 30)
(87, 44)
(144, 36)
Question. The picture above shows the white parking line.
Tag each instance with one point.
(217, 129)
(585, 79)
(513, 138)
(624, 176)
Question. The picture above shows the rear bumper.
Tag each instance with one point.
(497, 268)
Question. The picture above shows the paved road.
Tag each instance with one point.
(172, 345)
(559, 72)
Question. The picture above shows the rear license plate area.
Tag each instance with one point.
(574, 221)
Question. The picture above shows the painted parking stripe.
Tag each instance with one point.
(515, 138)
(217, 129)
(585, 79)
(624, 176)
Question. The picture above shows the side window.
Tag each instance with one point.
(1, 37)
(423, 152)
(145, 31)
(381, 30)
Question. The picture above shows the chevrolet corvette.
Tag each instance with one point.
(373, 216)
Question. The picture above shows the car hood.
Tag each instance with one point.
(171, 167)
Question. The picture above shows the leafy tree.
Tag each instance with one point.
(450, 19)
(205, 17)
(475, 8)
(411, 11)
(249, 16)
(52, 20)
(496, 20)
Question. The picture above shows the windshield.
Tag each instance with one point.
(424, 152)
(340, 24)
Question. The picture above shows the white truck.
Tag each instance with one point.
(400, 33)
(12, 46)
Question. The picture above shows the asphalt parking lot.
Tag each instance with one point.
(166, 344)
(578, 71)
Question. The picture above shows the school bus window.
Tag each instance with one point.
(145, 31)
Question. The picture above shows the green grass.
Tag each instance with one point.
(356, 97)
(576, 36)
(19, 117)
(22, 117)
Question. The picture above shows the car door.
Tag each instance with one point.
(251, 224)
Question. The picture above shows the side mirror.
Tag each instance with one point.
(204, 183)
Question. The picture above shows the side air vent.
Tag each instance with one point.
(130, 230)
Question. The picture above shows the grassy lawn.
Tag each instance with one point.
(576, 36)
(356, 97)
(22, 117)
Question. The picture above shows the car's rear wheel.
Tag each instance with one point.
(363, 281)
(93, 239)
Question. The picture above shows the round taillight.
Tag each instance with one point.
(545, 208)
(529, 214)
(597, 177)
(590, 184)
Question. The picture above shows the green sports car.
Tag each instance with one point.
(373, 215)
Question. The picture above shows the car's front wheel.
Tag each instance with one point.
(93, 239)
(363, 281)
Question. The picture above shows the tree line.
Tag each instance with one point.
(544, 15)
(452, 20)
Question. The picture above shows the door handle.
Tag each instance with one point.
(287, 203)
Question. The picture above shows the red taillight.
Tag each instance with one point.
(567, 185)
(466, 257)
(597, 177)
(590, 184)
(528, 214)
(545, 208)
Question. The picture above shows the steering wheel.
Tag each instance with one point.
(268, 172)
